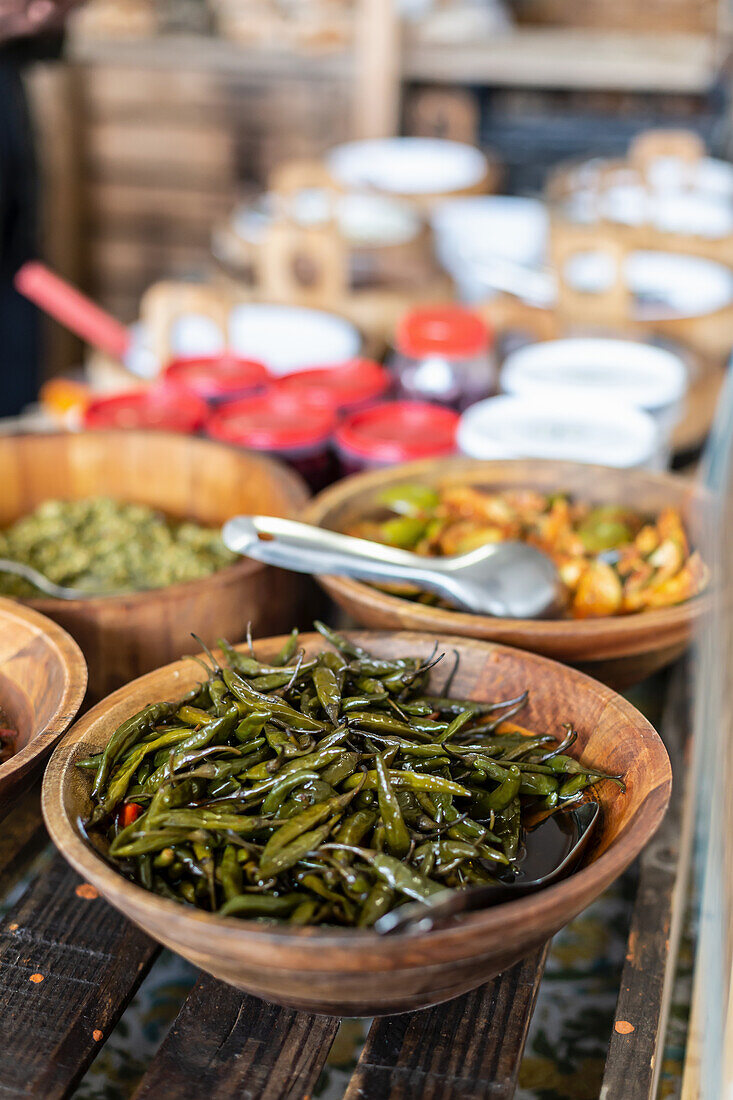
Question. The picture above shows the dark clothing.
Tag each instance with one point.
(19, 322)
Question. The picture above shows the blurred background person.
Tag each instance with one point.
(29, 31)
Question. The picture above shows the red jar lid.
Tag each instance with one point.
(274, 421)
(347, 385)
(161, 407)
(217, 377)
(399, 431)
(442, 330)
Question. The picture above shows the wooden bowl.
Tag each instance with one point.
(350, 972)
(43, 678)
(619, 651)
(124, 636)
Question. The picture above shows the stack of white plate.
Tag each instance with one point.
(604, 372)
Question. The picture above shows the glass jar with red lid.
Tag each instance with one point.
(163, 408)
(444, 354)
(293, 427)
(350, 386)
(394, 432)
(217, 378)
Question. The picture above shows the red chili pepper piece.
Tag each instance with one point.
(129, 812)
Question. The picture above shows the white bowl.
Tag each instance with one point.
(474, 229)
(573, 430)
(601, 370)
(407, 165)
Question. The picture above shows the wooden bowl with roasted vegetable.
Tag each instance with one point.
(137, 514)
(43, 678)
(625, 541)
(260, 821)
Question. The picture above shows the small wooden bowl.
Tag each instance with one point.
(124, 636)
(620, 651)
(43, 678)
(350, 972)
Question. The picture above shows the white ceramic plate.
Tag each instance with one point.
(365, 220)
(289, 338)
(551, 428)
(666, 285)
(708, 174)
(407, 165)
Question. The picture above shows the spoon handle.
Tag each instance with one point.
(307, 549)
(37, 579)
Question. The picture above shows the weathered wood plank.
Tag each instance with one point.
(22, 830)
(69, 964)
(469, 1048)
(634, 1054)
(231, 1044)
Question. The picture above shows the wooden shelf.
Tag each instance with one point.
(566, 58)
(208, 54)
(526, 57)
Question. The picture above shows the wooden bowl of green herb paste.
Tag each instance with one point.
(135, 516)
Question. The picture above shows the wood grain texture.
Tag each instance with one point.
(635, 1051)
(350, 972)
(231, 1044)
(43, 679)
(621, 650)
(468, 1049)
(124, 636)
(69, 964)
(22, 833)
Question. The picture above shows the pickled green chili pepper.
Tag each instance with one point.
(305, 912)
(230, 873)
(320, 788)
(328, 692)
(398, 838)
(282, 860)
(411, 780)
(507, 790)
(259, 905)
(376, 905)
(126, 735)
(288, 650)
(282, 789)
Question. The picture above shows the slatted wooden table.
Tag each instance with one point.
(70, 964)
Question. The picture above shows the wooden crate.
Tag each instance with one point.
(165, 150)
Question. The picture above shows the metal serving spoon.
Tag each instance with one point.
(43, 584)
(510, 580)
(423, 916)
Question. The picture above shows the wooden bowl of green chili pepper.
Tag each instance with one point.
(622, 647)
(260, 815)
(138, 513)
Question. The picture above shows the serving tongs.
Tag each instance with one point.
(422, 916)
(509, 580)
